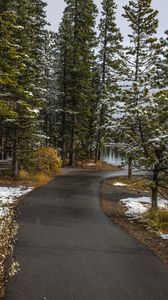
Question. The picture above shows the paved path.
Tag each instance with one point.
(69, 250)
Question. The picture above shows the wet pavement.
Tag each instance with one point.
(69, 250)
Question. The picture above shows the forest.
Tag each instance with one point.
(81, 89)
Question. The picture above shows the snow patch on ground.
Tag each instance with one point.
(8, 195)
(120, 184)
(164, 236)
(138, 206)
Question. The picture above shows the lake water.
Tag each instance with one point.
(113, 157)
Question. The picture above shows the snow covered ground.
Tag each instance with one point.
(164, 236)
(8, 195)
(138, 206)
(120, 184)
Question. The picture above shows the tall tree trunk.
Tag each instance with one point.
(63, 133)
(74, 100)
(2, 149)
(71, 152)
(99, 137)
(103, 78)
(130, 168)
(97, 151)
(63, 111)
(15, 162)
(155, 187)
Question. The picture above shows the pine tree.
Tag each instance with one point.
(140, 106)
(23, 29)
(11, 65)
(110, 70)
(31, 18)
(163, 65)
(76, 49)
(50, 111)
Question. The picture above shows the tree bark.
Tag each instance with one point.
(130, 168)
(71, 152)
(15, 162)
(99, 138)
(155, 187)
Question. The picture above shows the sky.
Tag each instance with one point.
(55, 10)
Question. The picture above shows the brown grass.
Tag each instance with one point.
(41, 179)
(136, 183)
(8, 232)
(26, 179)
(157, 219)
(91, 165)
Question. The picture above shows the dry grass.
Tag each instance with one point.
(24, 175)
(36, 179)
(8, 230)
(41, 179)
(27, 179)
(157, 219)
(91, 165)
(137, 183)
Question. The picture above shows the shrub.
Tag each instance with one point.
(24, 175)
(158, 219)
(47, 161)
(41, 178)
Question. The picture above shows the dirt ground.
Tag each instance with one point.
(112, 207)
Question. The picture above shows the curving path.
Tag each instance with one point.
(69, 250)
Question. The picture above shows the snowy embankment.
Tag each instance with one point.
(120, 184)
(138, 206)
(8, 196)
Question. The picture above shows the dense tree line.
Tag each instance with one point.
(79, 90)
(22, 36)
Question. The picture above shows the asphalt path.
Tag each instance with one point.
(69, 250)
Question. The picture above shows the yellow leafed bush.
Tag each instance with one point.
(158, 219)
(24, 175)
(48, 161)
(41, 178)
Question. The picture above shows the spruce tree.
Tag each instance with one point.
(140, 106)
(11, 65)
(76, 48)
(163, 65)
(23, 29)
(50, 109)
(29, 99)
(109, 60)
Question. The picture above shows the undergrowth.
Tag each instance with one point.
(136, 183)
(8, 230)
(33, 179)
(91, 165)
(157, 219)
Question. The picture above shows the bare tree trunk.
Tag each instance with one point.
(63, 135)
(95, 156)
(130, 168)
(104, 62)
(99, 154)
(91, 154)
(15, 162)
(2, 149)
(155, 187)
(71, 153)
